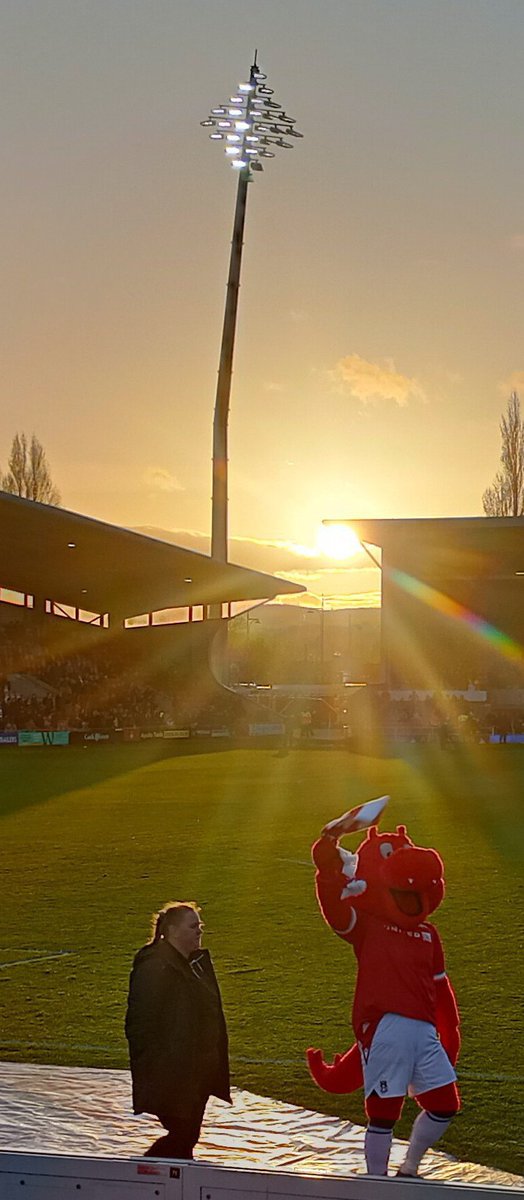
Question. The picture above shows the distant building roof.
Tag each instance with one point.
(55, 554)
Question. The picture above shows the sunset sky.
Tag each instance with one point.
(381, 315)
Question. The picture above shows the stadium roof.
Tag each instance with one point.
(75, 560)
(448, 546)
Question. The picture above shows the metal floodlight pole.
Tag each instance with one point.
(225, 373)
(250, 124)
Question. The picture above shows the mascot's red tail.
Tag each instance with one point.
(343, 1075)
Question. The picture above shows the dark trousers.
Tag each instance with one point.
(182, 1133)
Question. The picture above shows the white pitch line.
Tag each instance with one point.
(488, 1076)
(485, 1077)
(22, 962)
(10, 1043)
(34, 951)
(299, 862)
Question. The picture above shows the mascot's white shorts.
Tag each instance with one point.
(405, 1058)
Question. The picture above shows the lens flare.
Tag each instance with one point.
(499, 640)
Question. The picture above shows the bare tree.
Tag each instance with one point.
(28, 471)
(496, 500)
(505, 497)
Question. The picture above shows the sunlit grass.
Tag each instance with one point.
(93, 841)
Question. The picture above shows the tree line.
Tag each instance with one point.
(505, 496)
(28, 473)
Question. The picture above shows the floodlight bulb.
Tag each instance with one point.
(233, 137)
(235, 112)
(245, 87)
(242, 125)
(232, 150)
(239, 163)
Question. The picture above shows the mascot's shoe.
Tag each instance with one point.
(400, 1174)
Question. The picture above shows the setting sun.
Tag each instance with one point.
(338, 541)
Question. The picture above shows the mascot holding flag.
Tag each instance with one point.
(405, 1015)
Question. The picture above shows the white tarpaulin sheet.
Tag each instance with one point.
(86, 1111)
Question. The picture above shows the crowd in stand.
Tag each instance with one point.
(446, 718)
(375, 715)
(48, 681)
(44, 685)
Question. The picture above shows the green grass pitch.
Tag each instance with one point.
(93, 841)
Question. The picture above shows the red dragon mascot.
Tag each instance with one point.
(405, 1015)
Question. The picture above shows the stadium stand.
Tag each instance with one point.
(138, 657)
(452, 600)
(452, 630)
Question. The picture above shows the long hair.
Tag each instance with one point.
(170, 916)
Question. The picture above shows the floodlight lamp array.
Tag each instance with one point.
(251, 124)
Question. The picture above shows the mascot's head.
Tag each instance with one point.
(404, 882)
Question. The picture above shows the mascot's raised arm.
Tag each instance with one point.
(405, 1015)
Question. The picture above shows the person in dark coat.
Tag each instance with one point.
(176, 1030)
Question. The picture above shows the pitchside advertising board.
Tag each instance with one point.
(269, 729)
(65, 737)
(151, 735)
(43, 737)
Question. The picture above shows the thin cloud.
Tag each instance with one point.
(160, 480)
(303, 574)
(310, 600)
(292, 547)
(517, 241)
(369, 599)
(370, 381)
(272, 555)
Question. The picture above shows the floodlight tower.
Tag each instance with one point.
(250, 124)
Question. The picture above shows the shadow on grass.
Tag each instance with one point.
(480, 787)
(72, 768)
(63, 769)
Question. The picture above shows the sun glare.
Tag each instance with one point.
(338, 541)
